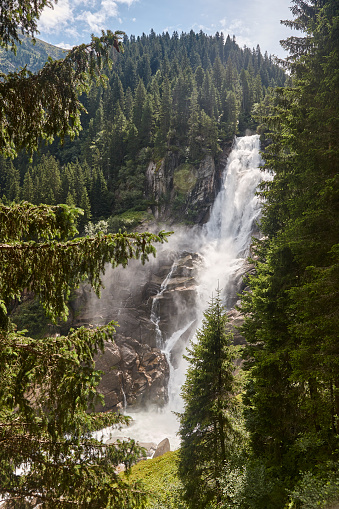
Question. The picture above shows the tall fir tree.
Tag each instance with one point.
(292, 324)
(207, 431)
(48, 455)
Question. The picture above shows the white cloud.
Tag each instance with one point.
(95, 20)
(84, 3)
(236, 27)
(72, 31)
(56, 19)
(63, 45)
(109, 7)
(76, 17)
(128, 2)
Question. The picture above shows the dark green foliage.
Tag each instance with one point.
(207, 429)
(164, 94)
(48, 386)
(23, 20)
(30, 315)
(293, 324)
(44, 261)
(46, 104)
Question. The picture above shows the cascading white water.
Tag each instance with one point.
(155, 316)
(177, 375)
(226, 238)
(224, 244)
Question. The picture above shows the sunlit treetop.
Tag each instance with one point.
(44, 105)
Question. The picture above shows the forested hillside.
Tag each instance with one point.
(185, 95)
(29, 54)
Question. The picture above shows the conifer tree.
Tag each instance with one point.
(48, 454)
(292, 321)
(48, 386)
(194, 139)
(59, 83)
(164, 116)
(27, 191)
(207, 431)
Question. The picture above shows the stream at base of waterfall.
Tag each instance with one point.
(223, 244)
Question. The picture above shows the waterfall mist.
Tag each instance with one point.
(223, 245)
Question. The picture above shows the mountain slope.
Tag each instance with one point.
(29, 54)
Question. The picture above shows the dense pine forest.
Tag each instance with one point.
(187, 94)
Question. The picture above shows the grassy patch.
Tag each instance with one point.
(159, 478)
(127, 221)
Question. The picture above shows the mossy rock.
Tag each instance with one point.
(184, 178)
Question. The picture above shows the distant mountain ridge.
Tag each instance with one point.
(30, 54)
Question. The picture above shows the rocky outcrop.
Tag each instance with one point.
(182, 191)
(148, 307)
(235, 320)
(134, 374)
(151, 449)
(177, 304)
(135, 371)
(162, 448)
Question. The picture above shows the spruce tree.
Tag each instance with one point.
(292, 324)
(48, 454)
(47, 104)
(48, 386)
(207, 430)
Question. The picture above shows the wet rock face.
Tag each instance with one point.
(182, 191)
(177, 305)
(136, 372)
(185, 192)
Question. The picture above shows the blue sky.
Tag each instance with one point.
(251, 21)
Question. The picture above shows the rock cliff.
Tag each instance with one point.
(135, 370)
(182, 191)
(148, 305)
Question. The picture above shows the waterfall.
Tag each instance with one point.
(224, 244)
(226, 237)
(155, 316)
(177, 375)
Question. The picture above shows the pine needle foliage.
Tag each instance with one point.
(292, 324)
(48, 386)
(49, 454)
(46, 104)
(207, 429)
